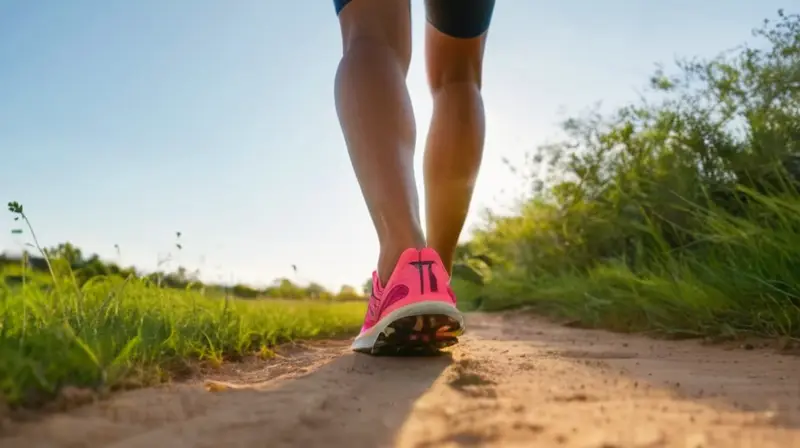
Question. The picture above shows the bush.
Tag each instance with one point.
(681, 215)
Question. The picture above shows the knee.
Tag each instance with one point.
(460, 75)
(454, 62)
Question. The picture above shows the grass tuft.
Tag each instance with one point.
(117, 333)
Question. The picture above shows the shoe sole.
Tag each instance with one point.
(417, 329)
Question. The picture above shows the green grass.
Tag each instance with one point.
(113, 334)
(742, 276)
(678, 215)
(469, 294)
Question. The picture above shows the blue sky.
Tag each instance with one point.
(123, 122)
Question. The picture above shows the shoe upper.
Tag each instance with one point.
(418, 276)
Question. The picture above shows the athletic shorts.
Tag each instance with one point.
(457, 18)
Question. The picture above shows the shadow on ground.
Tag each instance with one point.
(327, 397)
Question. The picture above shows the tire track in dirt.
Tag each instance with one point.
(514, 381)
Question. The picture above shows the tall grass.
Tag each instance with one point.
(113, 332)
(119, 333)
(680, 215)
(740, 276)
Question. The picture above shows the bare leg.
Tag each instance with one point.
(378, 121)
(454, 148)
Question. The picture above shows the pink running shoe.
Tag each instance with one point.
(415, 311)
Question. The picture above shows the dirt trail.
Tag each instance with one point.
(514, 381)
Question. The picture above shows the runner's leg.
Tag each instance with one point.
(378, 121)
(455, 38)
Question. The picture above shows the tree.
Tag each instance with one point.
(366, 288)
(348, 292)
(314, 291)
(244, 291)
(67, 252)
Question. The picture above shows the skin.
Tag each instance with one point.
(377, 121)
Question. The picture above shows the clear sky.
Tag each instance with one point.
(122, 122)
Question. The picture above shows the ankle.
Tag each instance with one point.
(390, 254)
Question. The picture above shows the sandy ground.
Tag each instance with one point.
(513, 381)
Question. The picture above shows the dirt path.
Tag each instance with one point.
(513, 381)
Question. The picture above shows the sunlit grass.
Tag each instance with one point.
(741, 276)
(677, 214)
(114, 333)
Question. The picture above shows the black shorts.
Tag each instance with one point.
(457, 18)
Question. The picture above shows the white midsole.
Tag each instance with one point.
(367, 339)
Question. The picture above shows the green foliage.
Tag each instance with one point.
(348, 293)
(93, 325)
(67, 320)
(114, 333)
(679, 214)
(366, 287)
